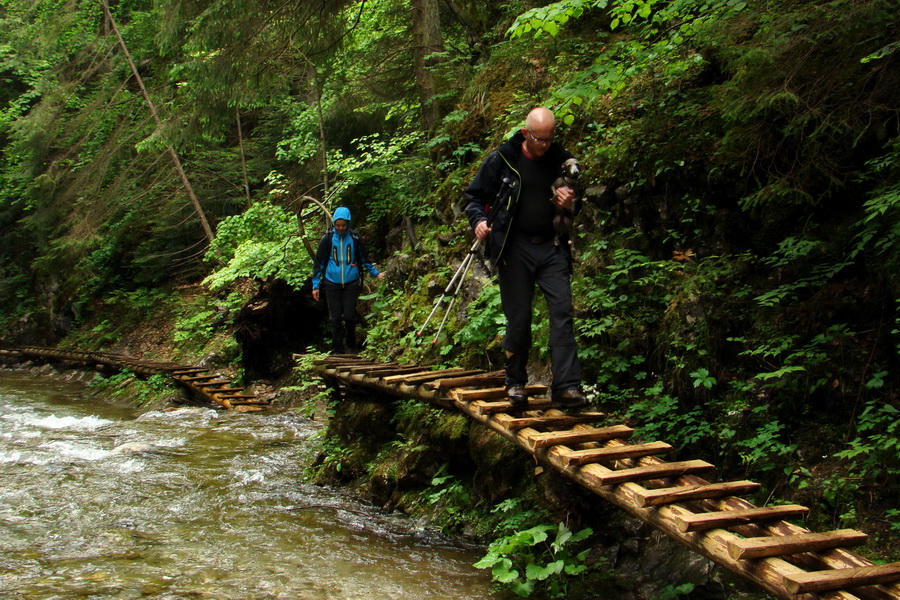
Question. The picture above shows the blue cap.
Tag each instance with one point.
(342, 212)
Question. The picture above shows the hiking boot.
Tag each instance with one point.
(570, 398)
(516, 395)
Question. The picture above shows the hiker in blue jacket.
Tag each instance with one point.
(338, 269)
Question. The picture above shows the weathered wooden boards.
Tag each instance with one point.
(211, 386)
(757, 543)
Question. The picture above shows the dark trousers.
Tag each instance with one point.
(523, 265)
(341, 301)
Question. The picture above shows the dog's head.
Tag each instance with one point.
(571, 169)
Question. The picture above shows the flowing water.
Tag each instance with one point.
(97, 501)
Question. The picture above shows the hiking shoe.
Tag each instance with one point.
(570, 398)
(516, 395)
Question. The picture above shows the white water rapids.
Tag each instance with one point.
(97, 501)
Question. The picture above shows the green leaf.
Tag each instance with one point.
(540, 573)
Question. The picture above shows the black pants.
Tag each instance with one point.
(341, 301)
(523, 265)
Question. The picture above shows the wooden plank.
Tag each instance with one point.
(224, 390)
(505, 406)
(391, 371)
(671, 495)
(493, 379)
(356, 369)
(494, 393)
(207, 384)
(415, 379)
(826, 581)
(516, 423)
(575, 458)
(439, 375)
(782, 545)
(658, 471)
(730, 518)
(188, 371)
(562, 438)
(198, 378)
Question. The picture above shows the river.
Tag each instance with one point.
(99, 501)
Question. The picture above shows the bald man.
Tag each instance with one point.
(522, 245)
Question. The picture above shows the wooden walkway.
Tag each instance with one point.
(210, 386)
(760, 544)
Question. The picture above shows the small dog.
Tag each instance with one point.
(562, 219)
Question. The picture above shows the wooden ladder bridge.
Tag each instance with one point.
(211, 386)
(760, 544)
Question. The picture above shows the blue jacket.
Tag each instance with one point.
(340, 255)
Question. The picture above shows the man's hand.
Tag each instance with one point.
(379, 276)
(564, 196)
(482, 230)
(316, 294)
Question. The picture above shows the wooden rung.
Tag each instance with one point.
(685, 493)
(209, 384)
(660, 471)
(354, 369)
(223, 390)
(562, 438)
(574, 458)
(415, 379)
(730, 518)
(338, 360)
(391, 371)
(188, 371)
(782, 545)
(495, 393)
(505, 406)
(516, 423)
(198, 378)
(836, 579)
(242, 397)
(493, 378)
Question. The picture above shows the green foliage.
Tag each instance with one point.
(529, 560)
(380, 172)
(261, 243)
(766, 451)
(483, 321)
(138, 391)
(875, 450)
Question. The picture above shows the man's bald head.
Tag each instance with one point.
(540, 118)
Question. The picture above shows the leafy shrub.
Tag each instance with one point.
(529, 560)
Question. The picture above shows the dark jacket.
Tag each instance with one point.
(497, 181)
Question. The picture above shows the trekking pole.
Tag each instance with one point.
(463, 269)
(459, 285)
(505, 188)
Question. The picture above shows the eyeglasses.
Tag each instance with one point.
(546, 140)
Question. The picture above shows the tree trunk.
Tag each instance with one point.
(427, 41)
(174, 155)
(237, 116)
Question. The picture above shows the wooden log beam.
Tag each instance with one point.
(563, 438)
(494, 378)
(574, 458)
(730, 518)
(686, 493)
(515, 423)
(494, 393)
(778, 545)
(826, 581)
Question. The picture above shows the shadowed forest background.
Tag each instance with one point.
(165, 165)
